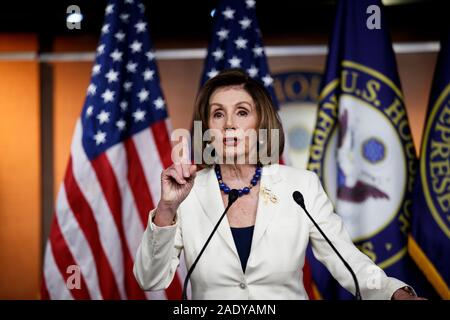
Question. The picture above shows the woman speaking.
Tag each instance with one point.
(258, 251)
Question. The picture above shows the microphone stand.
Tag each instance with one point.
(232, 197)
(298, 198)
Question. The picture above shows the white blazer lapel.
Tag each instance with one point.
(208, 192)
(268, 202)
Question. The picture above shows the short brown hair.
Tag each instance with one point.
(267, 115)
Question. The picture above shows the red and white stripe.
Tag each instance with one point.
(100, 215)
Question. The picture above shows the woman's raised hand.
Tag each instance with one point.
(176, 183)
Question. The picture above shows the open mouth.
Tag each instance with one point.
(230, 141)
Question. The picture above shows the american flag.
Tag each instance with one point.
(237, 43)
(120, 146)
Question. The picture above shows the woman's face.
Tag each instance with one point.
(234, 119)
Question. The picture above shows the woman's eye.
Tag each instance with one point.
(243, 113)
(218, 115)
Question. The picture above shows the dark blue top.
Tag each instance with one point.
(243, 240)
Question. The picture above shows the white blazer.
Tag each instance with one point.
(281, 234)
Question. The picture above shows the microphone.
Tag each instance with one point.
(233, 195)
(298, 197)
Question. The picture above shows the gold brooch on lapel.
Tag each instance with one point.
(267, 194)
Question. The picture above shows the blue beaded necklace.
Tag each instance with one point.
(246, 190)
